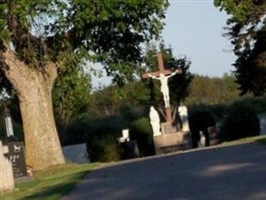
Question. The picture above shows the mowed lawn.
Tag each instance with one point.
(56, 182)
(50, 184)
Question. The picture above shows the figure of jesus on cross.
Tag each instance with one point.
(164, 86)
(163, 75)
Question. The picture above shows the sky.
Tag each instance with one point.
(194, 28)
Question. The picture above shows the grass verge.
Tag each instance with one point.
(50, 184)
(260, 139)
(55, 182)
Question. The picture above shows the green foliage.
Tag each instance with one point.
(103, 149)
(247, 31)
(216, 110)
(243, 10)
(106, 101)
(75, 132)
(212, 90)
(114, 100)
(51, 184)
(220, 110)
(114, 30)
(141, 131)
(109, 31)
(251, 66)
(241, 121)
(71, 93)
(102, 137)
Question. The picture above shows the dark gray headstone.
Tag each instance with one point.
(17, 158)
(129, 149)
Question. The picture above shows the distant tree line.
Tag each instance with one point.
(212, 90)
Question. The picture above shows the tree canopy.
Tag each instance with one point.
(39, 37)
(108, 31)
(247, 31)
(71, 93)
(212, 90)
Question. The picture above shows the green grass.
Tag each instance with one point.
(260, 139)
(50, 184)
(55, 182)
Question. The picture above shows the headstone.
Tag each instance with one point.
(129, 149)
(6, 173)
(17, 158)
(76, 153)
(214, 135)
(262, 119)
(125, 136)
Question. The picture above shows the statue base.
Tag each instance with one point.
(171, 140)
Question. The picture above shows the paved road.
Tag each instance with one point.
(233, 172)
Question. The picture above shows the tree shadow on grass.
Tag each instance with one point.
(58, 189)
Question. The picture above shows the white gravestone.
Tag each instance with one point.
(125, 136)
(6, 173)
(183, 113)
(155, 121)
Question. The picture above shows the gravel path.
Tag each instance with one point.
(231, 172)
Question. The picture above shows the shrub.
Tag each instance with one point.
(103, 149)
(241, 121)
(141, 131)
(102, 137)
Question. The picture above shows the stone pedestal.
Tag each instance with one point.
(171, 140)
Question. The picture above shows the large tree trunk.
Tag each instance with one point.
(34, 87)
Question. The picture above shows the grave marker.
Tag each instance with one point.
(6, 174)
(17, 158)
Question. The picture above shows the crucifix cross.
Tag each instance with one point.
(163, 75)
(162, 70)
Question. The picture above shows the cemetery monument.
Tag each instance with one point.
(168, 138)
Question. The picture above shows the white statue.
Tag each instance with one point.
(183, 113)
(155, 121)
(164, 86)
(202, 141)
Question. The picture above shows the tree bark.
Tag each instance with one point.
(34, 89)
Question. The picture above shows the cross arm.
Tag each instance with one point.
(157, 73)
(179, 71)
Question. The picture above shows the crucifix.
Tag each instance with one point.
(163, 75)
